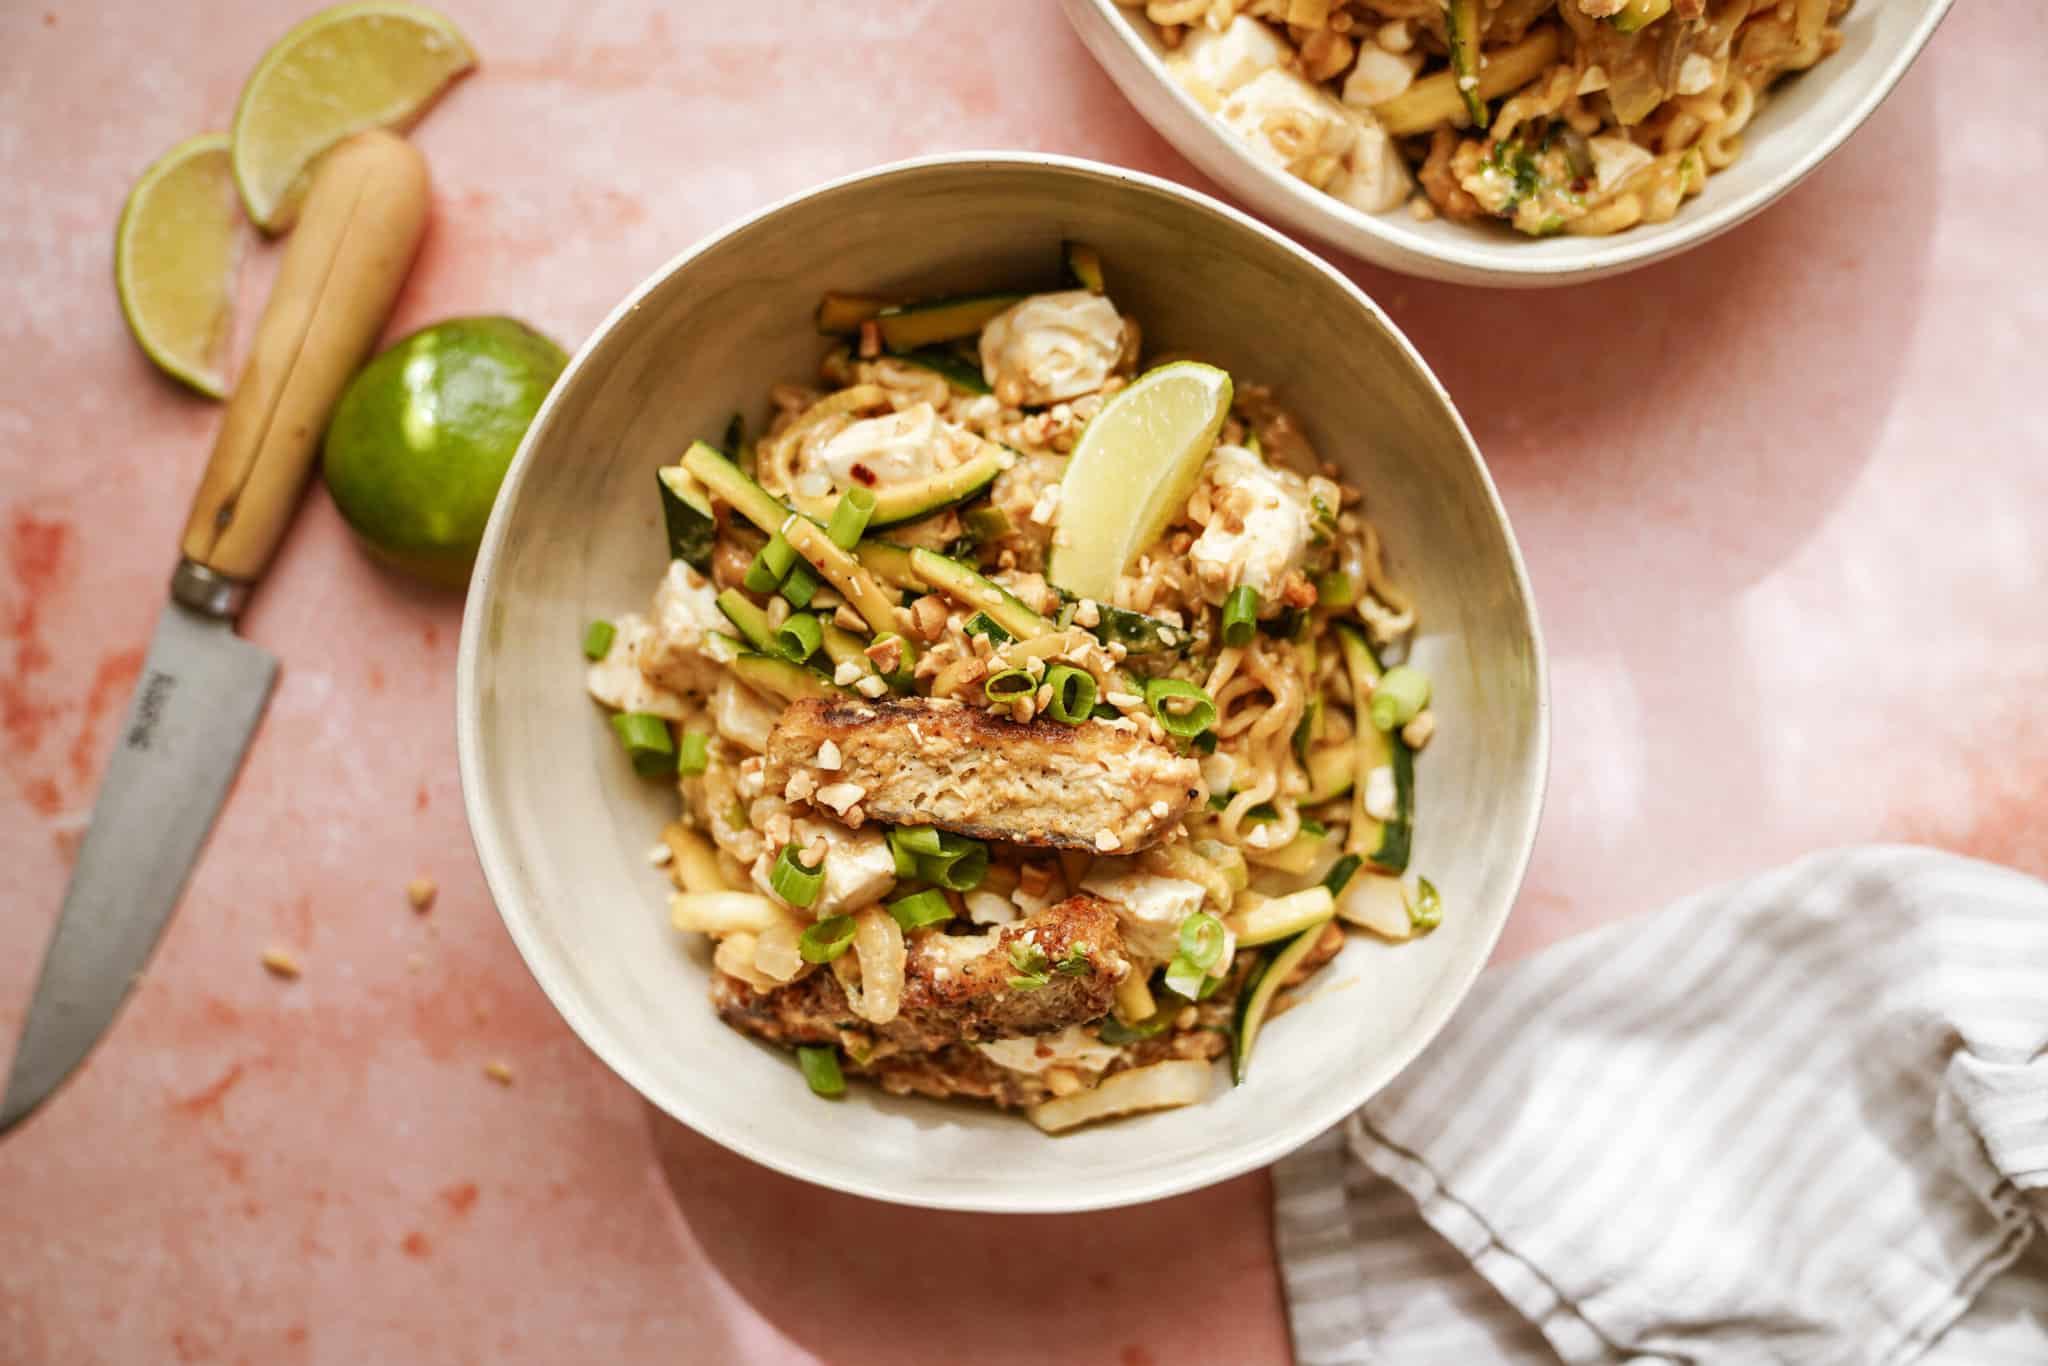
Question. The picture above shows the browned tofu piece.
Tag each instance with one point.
(957, 988)
(916, 761)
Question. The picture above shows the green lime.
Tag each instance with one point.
(422, 437)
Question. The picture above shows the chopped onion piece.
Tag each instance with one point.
(1162, 1086)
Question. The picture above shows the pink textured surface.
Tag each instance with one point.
(1781, 500)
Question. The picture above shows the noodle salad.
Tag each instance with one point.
(1036, 715)
(1553, 116)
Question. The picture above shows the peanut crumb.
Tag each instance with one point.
(499, 1072)
(421, 892)
(1105, 840)
(280, 963)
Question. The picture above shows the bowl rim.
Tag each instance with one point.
(1333, 221)
(496, 851)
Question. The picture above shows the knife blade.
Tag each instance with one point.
(202, 689)
(199, 696)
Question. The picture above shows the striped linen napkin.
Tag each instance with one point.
(1802, 1118)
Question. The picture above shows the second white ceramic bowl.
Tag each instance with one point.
(562, 826)
(1805, 119)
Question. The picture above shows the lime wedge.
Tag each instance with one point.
(372, 65)
(174, 261)
(1132, 471)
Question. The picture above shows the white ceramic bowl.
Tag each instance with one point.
(562, 826)
(1804, 120)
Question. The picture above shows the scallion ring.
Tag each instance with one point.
(1340, 873)
(1335, 590)
(826, 940)
(793, 882)
(799, 637)
(960, 869)
(1240, 615)
(1399, 696)
(647, 742)
(919, 839)
(850, 517)
(801, 586)
(821, 1070)
(928, 907)
(771, 565)
(1009, 685)
(1073, 693)
(1184, 709)
(1201, 940)
(693, 753)
(1426, 911)
(597, 639)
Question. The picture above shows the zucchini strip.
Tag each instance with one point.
(1461, 32)
(844, 573)
(1436, 100)
(842, 314)
(1275, 966)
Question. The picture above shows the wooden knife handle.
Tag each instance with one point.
(342, 270)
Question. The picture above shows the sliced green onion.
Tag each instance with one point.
(693, 753)
(771, 565)
(1340, 873)
(906, 859)
(1335, 590)
(1073, 693)
(1184, 709)
(1314, 829)
(597, 639)
(826, 940)
(1066, 615)
(919, 839)
(1075, 964)
(793, 882)
(735, 433)
(801, 585)
(850, 517)
(1426, 911)
(1008, 685)
(982, 624)
(647, 742)
(1205, 743)
(1185, 978)
(919, 909)
(799, 637)
(1030, 962)
(1398, 696)
(1201, 940)
(957, 870)
(821, 1070)
(1240, 615)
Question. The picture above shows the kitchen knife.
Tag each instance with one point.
(202, 690)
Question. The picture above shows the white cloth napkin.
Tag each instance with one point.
(1802, 1118)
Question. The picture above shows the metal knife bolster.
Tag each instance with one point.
(208, 592)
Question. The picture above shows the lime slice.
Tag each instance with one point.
(374, 65)
(1133, 469)
(174, 261)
